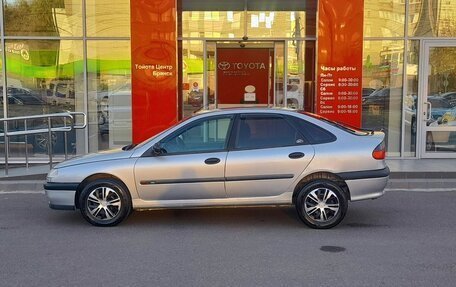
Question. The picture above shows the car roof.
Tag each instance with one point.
(245, 110)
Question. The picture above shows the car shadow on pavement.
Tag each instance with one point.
(246, 216)
(284, 216)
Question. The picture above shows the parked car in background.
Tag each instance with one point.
(61, 92)
(439, 106)
(25, 102)
(377, 106)
(450, 97)
(367, 92)
(239, 157)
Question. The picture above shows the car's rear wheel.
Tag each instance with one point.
(321, 204)
(105, 202)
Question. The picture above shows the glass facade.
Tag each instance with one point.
(212, 24)
(43, 18)
(108, 18)
(288, 28)
(59, 59)
(74, 55)
(441, 99)
(410, 101)
(384, 18)
(276, 24)
(382, 90)
(394, 35)
(109, 93)
(44, 77)
(430, 18)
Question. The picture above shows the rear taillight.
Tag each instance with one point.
(379, 152)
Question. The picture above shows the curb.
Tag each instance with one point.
(22, 186)
(421, 189)
(421, 183)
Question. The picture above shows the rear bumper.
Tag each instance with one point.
(368, 184)
(61, 196)
(369, 188)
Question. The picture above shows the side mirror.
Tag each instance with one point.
(157, 149)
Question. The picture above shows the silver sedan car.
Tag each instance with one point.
(233, 157)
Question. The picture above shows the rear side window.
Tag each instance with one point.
(313, 133)
(257, 132)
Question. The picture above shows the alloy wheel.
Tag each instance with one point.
(321, 204)
(104, 203)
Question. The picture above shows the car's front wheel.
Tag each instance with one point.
(105, 202)
(321, 204)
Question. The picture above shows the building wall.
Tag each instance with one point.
(76, 56)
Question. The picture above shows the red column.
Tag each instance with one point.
(154, 67)
(340, 57)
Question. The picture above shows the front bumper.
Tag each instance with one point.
(61, 195)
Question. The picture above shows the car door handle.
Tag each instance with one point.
(295, 155)
(212, 160)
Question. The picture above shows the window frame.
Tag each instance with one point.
(310, 140)
(150, 153)
(235, 131)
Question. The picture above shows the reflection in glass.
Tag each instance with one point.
(382, 90)
(384, 18)
(213, 24)
(441, 100)
(281, 24)
(211, 98)
(109, 92)
(1, 94)
(43, 18)
(442, 72)
(192, 77)
(411, 99)
(432, 18)
(440, 141)
(44, 77)
(296, 74)
(108, 18)
(209, 135)
(279, 62)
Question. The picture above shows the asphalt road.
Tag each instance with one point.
(401, 239)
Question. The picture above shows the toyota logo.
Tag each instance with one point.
(223, 66)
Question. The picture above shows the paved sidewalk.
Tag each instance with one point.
(422, 174)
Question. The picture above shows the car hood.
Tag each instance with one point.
(97, 157)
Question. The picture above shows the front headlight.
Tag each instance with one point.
(52, 174)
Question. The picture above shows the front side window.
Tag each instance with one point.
(257, 132)
(206, 136)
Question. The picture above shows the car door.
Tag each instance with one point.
(191, 164)
(267, 154)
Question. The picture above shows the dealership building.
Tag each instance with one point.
(137, 67)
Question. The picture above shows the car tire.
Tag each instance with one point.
(321, 204)
(105, 202)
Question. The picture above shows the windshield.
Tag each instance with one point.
(347, 128)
